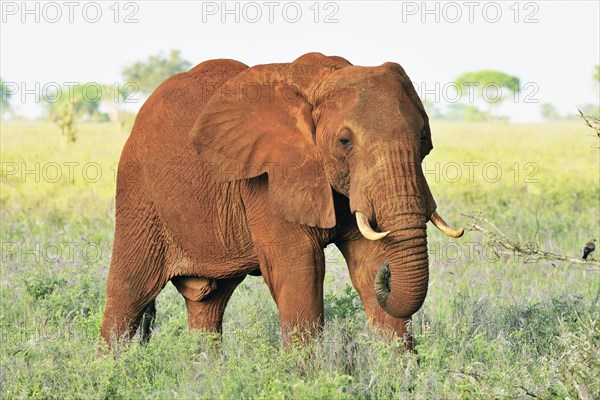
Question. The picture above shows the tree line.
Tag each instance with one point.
(84, 102)
(66, 106)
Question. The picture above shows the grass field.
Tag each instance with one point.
(490, 327)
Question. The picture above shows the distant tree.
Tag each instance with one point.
(597, 76)
(489, 85)
(5, 96)
(113, 98)
(549, 112)
(67, 106)
(149, 74)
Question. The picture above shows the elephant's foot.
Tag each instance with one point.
(394, 329)
(300, 333)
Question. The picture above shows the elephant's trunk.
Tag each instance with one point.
(392, 192)
(402, 206)
(402, 279)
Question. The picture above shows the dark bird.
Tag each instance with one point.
(588, 249)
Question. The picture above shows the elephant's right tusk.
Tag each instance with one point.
(365, 228)
(444, 227)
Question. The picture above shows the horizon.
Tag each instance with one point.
(464, 38)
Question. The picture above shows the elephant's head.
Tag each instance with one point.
(319, 124)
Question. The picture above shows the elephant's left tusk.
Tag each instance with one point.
(444, 227)
(365, 228)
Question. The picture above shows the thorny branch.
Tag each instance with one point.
(503, 245)
(592, 122)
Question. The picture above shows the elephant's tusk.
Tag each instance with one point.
(444, 227)
(365, 228)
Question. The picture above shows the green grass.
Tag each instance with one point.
(490, 328)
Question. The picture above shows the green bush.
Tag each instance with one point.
(343, 305)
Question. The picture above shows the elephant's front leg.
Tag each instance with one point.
(293, 267)
(363, 257)
(295, 276)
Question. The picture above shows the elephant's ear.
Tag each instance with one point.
(260, 122)
(416, 101)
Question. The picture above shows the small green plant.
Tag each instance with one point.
(41, 285)
(343, 305)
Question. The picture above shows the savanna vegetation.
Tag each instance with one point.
(493, 326)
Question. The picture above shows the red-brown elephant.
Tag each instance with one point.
(231, 170)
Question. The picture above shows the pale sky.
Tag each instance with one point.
(554, 52)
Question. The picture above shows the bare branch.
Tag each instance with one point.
(592, 122)
(504, 245)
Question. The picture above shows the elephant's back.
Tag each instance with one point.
(174, 106)
(159, 143)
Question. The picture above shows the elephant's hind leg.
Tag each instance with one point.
(136, 275)
(206, 300)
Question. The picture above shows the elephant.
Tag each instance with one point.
(233, 170)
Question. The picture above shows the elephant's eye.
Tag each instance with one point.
(345, 139)
(345, 143)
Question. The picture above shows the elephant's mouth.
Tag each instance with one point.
(369, 233)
